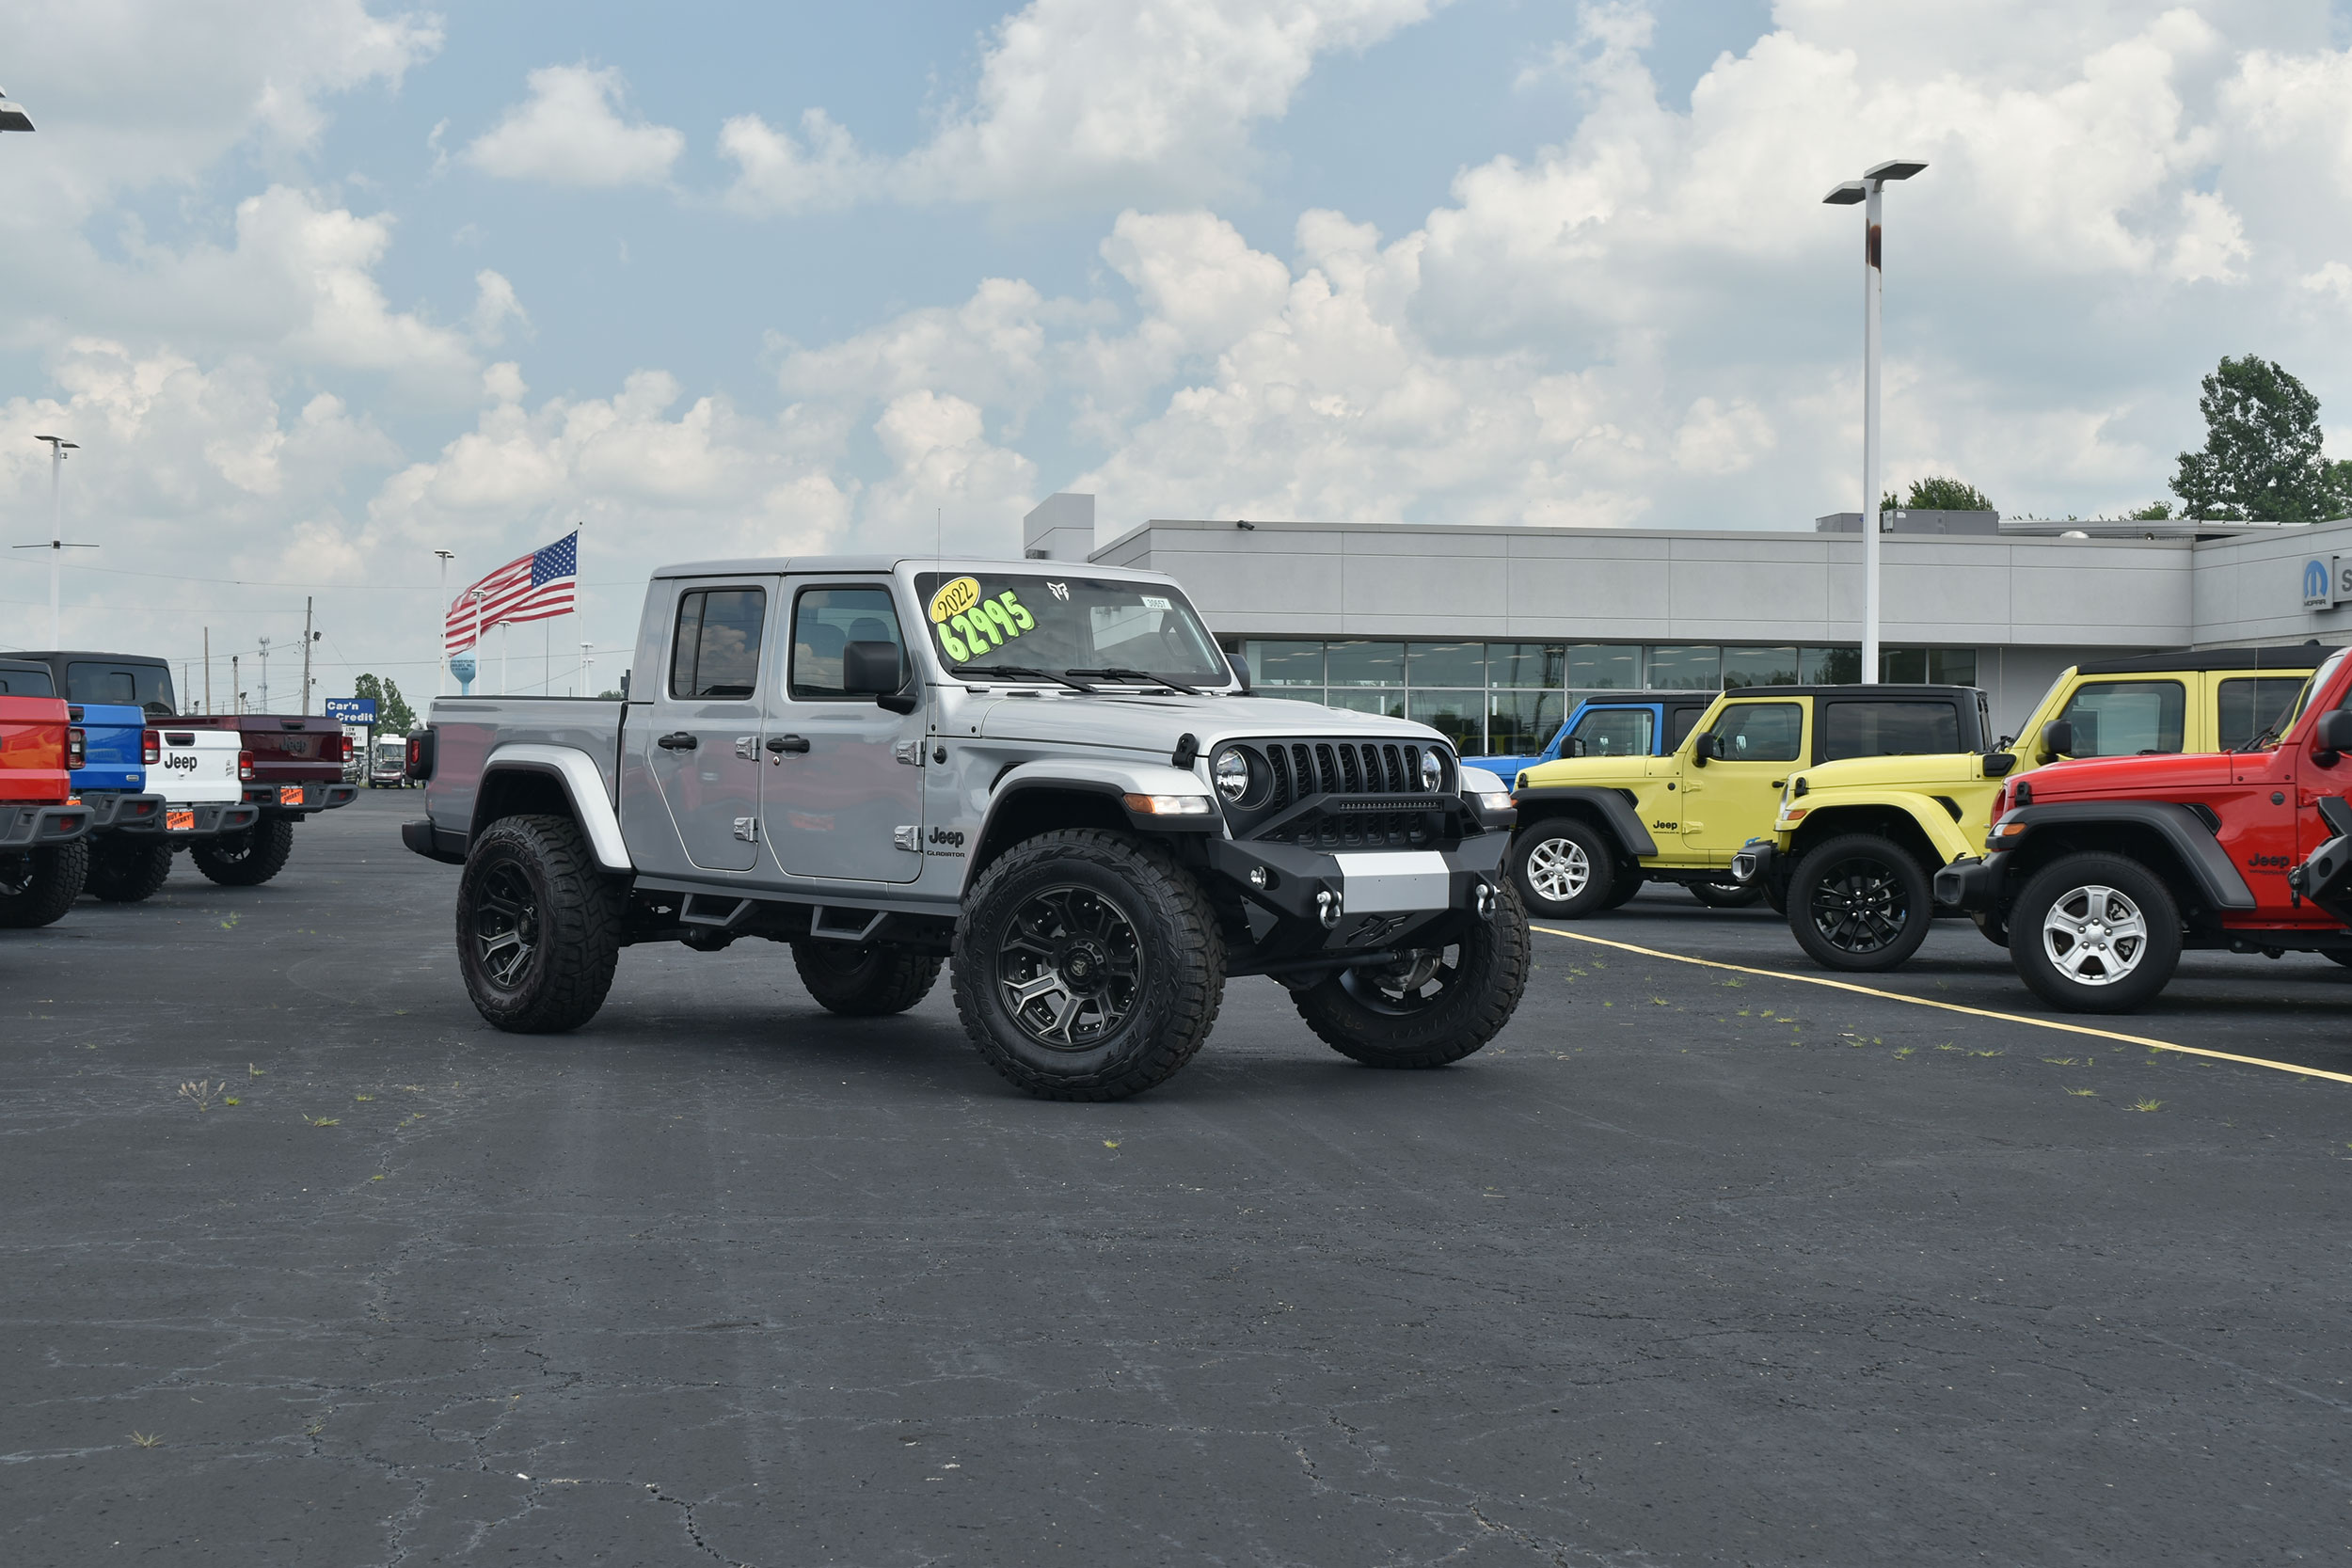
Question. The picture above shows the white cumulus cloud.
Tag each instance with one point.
(569, 131)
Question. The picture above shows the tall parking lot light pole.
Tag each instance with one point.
(58, 447)
(440, 623)
(1865, 191)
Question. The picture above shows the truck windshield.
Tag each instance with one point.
(125, 681)
(2320, 678)
(1005, 620)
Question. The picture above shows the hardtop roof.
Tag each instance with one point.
(2300, 659)
(778, 564)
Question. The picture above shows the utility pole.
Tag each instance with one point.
(236, 687)
(584, 662)
(440, 632)
(58, 447)
(1866, 191)
(264, 674)
(208, 669)
(309, 637)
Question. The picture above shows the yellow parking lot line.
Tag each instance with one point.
(1948, 1006)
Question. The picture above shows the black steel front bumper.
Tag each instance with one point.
(29, 827)
(122, 810)
(1973, 886)
(1360, 897)
(299, 800)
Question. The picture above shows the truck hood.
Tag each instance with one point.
(2096, 778)
(1939, 770)
(1153, 724)
(1601, 772)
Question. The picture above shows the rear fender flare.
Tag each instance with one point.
(1591, 801)
(2181, 830)
(574, 772)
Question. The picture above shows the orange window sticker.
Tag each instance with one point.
(290, 795)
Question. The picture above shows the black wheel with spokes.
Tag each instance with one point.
(538, 925)
(1859, 903)
(1427, 1005)
(870, 981)
(1088, 965)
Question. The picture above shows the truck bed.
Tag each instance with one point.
(288, 748)
(467, 729)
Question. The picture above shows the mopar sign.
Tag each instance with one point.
(351, 710)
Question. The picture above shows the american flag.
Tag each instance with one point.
(528, 588)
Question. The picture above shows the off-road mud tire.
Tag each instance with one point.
(250, 856)
(39, 885)
(127, 869)
(872, 981)
(1630, 881)
(1549, 853)
(571, 911)
(2158, 911)
(1180, 979)
(1349, 1014)
(1726, 895)
(1912, 895)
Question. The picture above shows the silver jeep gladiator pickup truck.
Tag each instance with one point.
(1049, 774)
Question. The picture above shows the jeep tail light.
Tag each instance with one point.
(245, 765)
(343, 748)
(150, 747)
(76, 747)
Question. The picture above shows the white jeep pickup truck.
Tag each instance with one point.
(202, 775)
(1050, 774)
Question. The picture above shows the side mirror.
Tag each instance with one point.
(875, 670)
(1241, 673)
(1576, 744)
(1703, 748)
(2333, 733)
(2058, 738)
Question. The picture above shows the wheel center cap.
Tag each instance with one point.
(1084, 965)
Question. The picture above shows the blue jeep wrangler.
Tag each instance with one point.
(1638, 723)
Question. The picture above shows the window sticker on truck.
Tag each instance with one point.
(180, 822)
(1096, 628)
(290, 795)
(969, 625)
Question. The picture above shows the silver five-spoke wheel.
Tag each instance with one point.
(2094, 936)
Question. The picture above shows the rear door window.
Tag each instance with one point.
(92, 680)
(1890, 729)
(1614, 732)
(716, 653)
(2252, 704)
(2127, 718)
(1760, 732)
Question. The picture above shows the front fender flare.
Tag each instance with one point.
(2182, 831)
(576, 772)
(1110, 780)
(1941, 829)
(1615, 812)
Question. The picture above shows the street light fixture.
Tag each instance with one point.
(58, 447)
(12, 116)
(1865, 192)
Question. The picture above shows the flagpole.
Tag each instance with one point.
(506, 647)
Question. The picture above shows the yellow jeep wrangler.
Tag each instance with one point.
(1853, 853)
(1592, 830)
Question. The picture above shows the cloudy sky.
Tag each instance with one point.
(323, 285)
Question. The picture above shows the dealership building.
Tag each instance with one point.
(1494, 634)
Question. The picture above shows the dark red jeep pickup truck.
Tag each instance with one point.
(297, 761)
(2101, 872)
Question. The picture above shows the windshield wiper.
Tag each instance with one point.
(1030, 671)
(1144, 675)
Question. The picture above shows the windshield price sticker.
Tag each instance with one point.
(969, 625)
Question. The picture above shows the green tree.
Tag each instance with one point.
(393, 716)
(2261, 459)
(2154, 512)
(1938, 494)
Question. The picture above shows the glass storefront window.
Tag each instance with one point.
(1446, 664)
(1685, 668)
(1367, 700)
(1759, 667)
(1365, 663)
(1605, 667)
(1943, 666)
(1460, 716)
(1520, 723)
(1829, 666)
(1540, 664)
(1285, 663)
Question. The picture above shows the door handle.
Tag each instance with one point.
(677, 740)
(788, 743)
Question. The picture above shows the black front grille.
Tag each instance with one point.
(1301, 768)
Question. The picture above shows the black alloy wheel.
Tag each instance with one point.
(1427, 1006)
(1070, 967)
(505, 924)
(538, 925)
(1859, 903)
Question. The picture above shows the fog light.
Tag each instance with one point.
(1259, 877)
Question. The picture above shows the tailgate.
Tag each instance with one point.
(285, 749)
(32, 750)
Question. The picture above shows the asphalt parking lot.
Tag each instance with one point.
(1693, 1265)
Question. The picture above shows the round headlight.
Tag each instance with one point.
(1431, 771)
(1231, 773)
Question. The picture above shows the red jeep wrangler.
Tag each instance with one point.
(2101, 872)
(44, 850)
